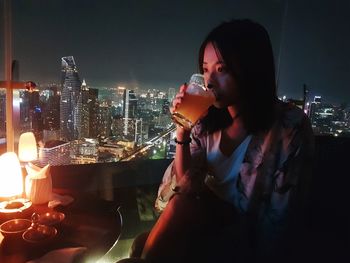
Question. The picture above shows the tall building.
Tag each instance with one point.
(129, 108)
(118, 127)
(305, 96)
(165, 107)
(129, 104)
(139, 134)
(105, 120)
(31, 113)
(24, 112)
(314, 106)
(51, 111)
(51, 135)
(171, 145)
(71, 101)
(171, 94)
(322, 116)
(85, 113)
(120, 91)
(37, 122)
(93, 112)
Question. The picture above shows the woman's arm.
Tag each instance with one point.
(188, 162)
(185, 150)
(190, 172)
(182, 161)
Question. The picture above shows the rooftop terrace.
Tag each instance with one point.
(134, 185)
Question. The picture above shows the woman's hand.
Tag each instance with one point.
(178, 98)
(181, 133)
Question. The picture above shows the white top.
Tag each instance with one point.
(223, 170)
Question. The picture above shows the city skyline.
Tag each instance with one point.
(138, 126)
(155, 44)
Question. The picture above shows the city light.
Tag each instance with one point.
(110, 124)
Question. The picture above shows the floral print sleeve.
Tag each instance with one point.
(169, 186)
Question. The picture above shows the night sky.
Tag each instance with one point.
(154, 43)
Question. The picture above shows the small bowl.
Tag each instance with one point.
(39, 234)
(14, 227)
(51, 218)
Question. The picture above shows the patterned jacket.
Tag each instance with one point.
(273, 182)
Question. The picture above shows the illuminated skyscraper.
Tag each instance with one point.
(93, 113)
(129, 108)
(130, 104)
(138, 132)
(105, 120)
(314, 107)
(71, 101)
(51, 112)
(171, 94)
(24, 108)
(165, 106)
(85, 116)
(31, 113)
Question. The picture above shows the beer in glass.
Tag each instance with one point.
(195, 103)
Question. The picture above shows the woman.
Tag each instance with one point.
(236, 190)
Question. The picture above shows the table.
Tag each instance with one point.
(90, 222)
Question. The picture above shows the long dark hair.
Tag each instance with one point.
(246, 49)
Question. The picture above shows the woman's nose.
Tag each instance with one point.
(211, 79)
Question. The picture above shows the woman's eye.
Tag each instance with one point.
(221, 69)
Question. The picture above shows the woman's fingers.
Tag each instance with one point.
(178, 98)
(176, 102)
(183, 87)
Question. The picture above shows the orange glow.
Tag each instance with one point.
(11, 181)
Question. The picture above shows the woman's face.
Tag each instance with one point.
(218, 78)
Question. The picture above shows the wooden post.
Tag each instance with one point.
(8, 76)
